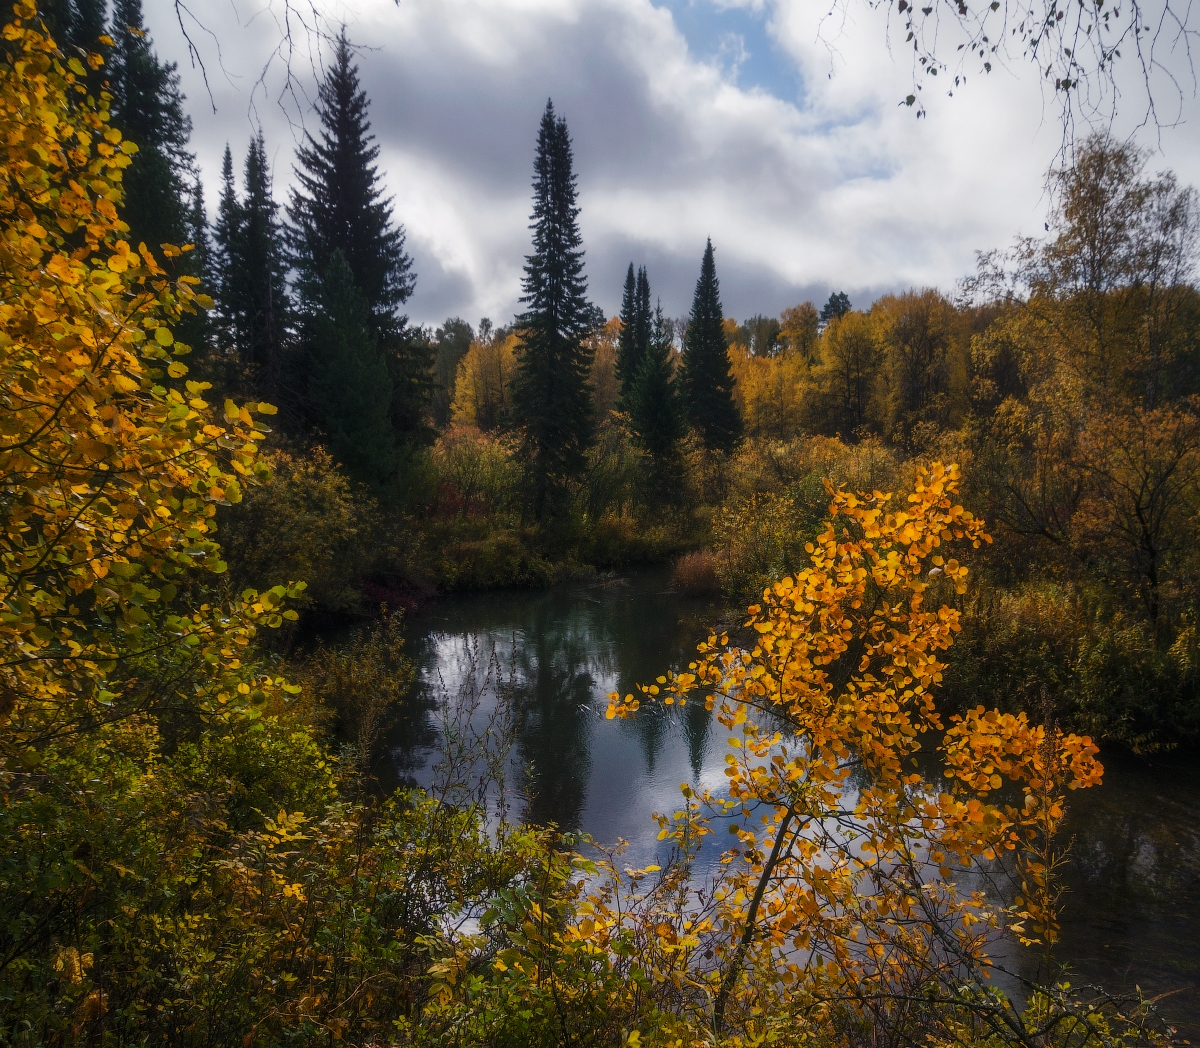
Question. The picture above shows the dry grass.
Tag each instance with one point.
(695, 574)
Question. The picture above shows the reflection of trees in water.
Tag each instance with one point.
(552, 713)
(1133, 883)
(637, 626)
(697, 721)
(570, 647)
(410, 732)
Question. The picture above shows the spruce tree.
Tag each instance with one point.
(627, 349)
(338, 204)
(147, 108)
(196, 329)
(706, 377)
(349, 389)
(645, 318)
(261, 271)
(636, 322)
(75, 25)
(654, 410)
(253, 311)
(551, 394)
(224, 254)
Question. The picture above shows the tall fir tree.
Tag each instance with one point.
(349, 387)
(653, 401)
(224, 256)
(253, 311)
(147, 108)
(262, 265)
(196, 329)
(338, 206)
(636, 321)
(627, 349)
(551, 394)
(706, 377)
(338, 203)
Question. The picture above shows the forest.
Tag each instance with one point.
(953, 526)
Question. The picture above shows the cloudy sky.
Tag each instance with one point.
(754, 122)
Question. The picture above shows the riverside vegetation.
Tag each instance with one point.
(190, 850)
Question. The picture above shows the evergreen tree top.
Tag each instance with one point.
(554, 285)
(707, 379)
(147, 108)
(837, 307)
(706, 303)
(551, 392)
(146, 100)
(339, 204)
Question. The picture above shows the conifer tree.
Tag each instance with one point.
(338, 204)
(836, 308)
(636, 322)
(261, 272)
(196, 329)
(147, 108)
(224, 251)
(706, 377)
(654, 409)
(74, 24)
(253, 311)
(349, 388)
(551, 394)
(627, 351)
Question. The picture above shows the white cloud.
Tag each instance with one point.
(844, 189)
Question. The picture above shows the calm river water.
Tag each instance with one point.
(1132, 913)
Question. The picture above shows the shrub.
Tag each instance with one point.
(308, 521)
(695, 574)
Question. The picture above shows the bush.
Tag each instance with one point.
(308, 521)
(1101, 667)
(695, 574)
(499, 560)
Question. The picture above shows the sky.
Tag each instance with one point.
(768, 125)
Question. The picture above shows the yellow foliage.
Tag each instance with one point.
(798, 330)
(841, 883)
(606, 387)
(770, 392)
(483, 384)
(112, 476)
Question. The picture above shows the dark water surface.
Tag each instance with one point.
(1131, 916)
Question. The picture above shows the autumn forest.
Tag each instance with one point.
(943, 547)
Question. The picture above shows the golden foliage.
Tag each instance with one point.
(840, 890)
(113, 463)
(606, 387)
(770, 391)
(483, 386)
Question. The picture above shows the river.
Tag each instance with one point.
(1131, 915)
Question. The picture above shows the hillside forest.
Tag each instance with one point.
(963, 522)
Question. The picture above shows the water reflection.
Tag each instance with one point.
(558, 654)
(1132, 912)
(553, 715)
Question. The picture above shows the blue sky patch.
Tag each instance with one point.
(738, 39)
